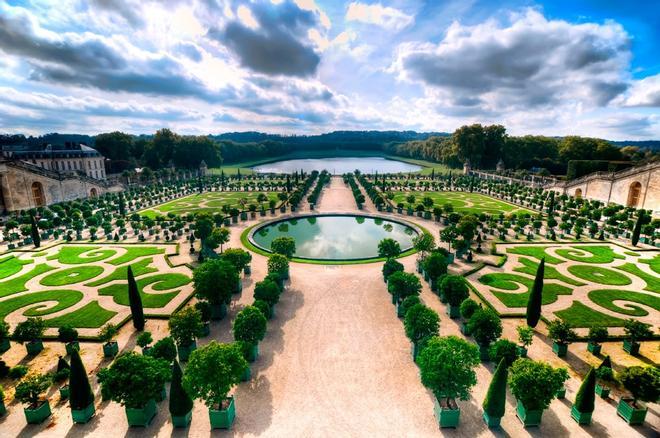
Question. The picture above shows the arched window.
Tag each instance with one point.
(38, 194)
(578, 193)
(633, 194)
(93, 193)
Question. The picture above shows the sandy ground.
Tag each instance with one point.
(335, 363)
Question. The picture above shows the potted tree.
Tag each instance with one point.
(495, 400)
(214, 281)
(3, 408)
(503, 349)
(421, 323)
(597, 334)
(390, 267)
(143, 340)
(110, 346)
(29, 392)
(268, 291)
(180, 402)
(81, 397)
(185, 325)
(61, 375)
(204, 309)
(164, 349)
(467, 309)
(435, 266)
(643, 383)
(525, 337)
(562, 334)
(4, 337)
(454, 289)
(447, 368)
(585, 399)
(402, 285)
(250, 328)
(409, 302)
(31, 330)
(485, 326)
(211, 373)
(135, 381)
(264, 307)
(69, 336)
(635, 332)
(534, 384)
(239, 258)
(279, 264)
(605, 375)
(424, 243)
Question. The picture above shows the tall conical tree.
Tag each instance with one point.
(536, 297)
(34, 231)
(135, 302)
(180, 401)
(638, 229)
(81, 394)
(607, 363)
(495, 400)
(586, 395)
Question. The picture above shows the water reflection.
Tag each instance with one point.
(339, 165)
(338, 237)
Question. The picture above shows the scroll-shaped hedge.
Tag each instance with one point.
(77, 274)
(598, 254)
(607, 297)
(76, 255)
(161, 282)
(62, 298)
(507, 281)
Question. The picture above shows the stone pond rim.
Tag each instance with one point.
(248, 240)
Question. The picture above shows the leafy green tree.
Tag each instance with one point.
(388, 248)
(534, 383)
(219, 236)
(504, 350)
(185, 325)
(285, 246)
(135, 301)
(435, 265)
(249, 325)
(643, 383)
(278, 264)
(424, 243)
(267, 291)
(403, 284)
(30, 389)
(180, 401)
(586, 395)
(237, 257)
(495, 401)
(536, 296)
(454, 289)
(215, 281)
(32, 329)
(164, 349)
(485, 326)
(637, 330)
(80, 391)
(203, 226)
(421, 323)
(390, 267)
(561, 332)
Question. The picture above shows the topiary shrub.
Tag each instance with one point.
(421, 323)
(268, 291)
(180, 402)
(249, 325)
(586, 395)
(390, 267)
(185, 325)
(403, 284)
(495, 401)
(485, 326)
(454, 289)
(409, 302)
(643, 383)
(534, 383)
(164, 349)
(80, 391)
(468, 307)
(504, 350)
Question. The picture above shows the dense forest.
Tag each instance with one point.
(482, 145)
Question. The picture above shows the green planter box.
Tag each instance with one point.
(223, 419)
(399, 310)
(252, 353)
(446, 417)
(64, 392)
(522, 351)
(483, 353)
(594, 348)
(70, 346)
(453, 311)
(110, 349)
(247, 375)
(239, 286)
(629, 413)
(38, 415)
(491, 422)
(630, 347)
(415, 349)
(183, 420)
(528, 418)
(218, 311)
(581, 417)
(4, 345)
(465, 329)
(602, 391)
(83, 415)
(141, 416)
(560, 349)
(185, 350)
(34, 347)
(561, 394)
(3, 408)
(247, 270)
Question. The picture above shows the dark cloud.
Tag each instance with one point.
(278, 45)
(630, 125)
(224, 117)
(126, 10)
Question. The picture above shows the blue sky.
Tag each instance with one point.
(585, 67)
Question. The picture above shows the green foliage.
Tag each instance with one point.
(80, 391)
(637, 330)
(409, 302)
(421, 323)
(435, 265)
(388, 248)
(278, 264)
(561, 332)
(586, 398)
(212, 371)
(642, 382)
(4, 330)
(534, 383)
(536, 297)
(525, 335)
(249, 325)
(468, 307)
(77, 274)
(597, 334)
(144, 339)
(185, 325)
(503, 350)
(268, 291)
(135, 302)
(204, 309)
(485, 326)
(180, 401)
(18, 371)
(67, 334)
(203, 226)
(134, 379)
(403, 284)
(108, 332)
(454, 289)
(219, 236)
(237, 257)
(31, 388)
(495, 401)
(447, 367)
(285, 246)
(215, 281)
(390, 267)
(424, 243)
(164, 349)
(29, 330)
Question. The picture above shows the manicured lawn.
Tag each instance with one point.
(17, 284)
(579, 315)
(607, 297)
(91, 315)
(652, 283)
(119, 291)
(599, 254)
(506, 281)
(72, 255)
(461, 201)
(654, 263)
(139, 268)
(73, 275)
(134, 252)
(209, 202)
(596, 274)
(64, 299)
(550, 273)
(537, 252)
(10, 266)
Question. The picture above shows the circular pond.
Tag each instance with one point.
(335, 237)
(339, 165)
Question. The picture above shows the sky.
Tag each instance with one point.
(553, 67)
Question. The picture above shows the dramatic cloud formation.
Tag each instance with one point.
(303, 66)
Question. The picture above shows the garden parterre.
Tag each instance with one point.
(85, 285)
(464, 202)
(585, 284)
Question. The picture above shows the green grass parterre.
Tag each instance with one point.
(208, 202)
(462, 202)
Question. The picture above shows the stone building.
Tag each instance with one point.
(36, 176)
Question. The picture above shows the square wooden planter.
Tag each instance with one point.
(630, 347)
(631, 414)
(223, 419)
(218, 311)
(141, 417)
(4, 345)
(527, 417)
(447, 417)
(81, 416)
(491, 422)
(182, 420)
(252, 353)
(465, 329)
(37, 415)
(34, 347)
(110, 349)
(64, 392)
(484, 354)
(602, 391)
(453, 311)
(186, 350)
(560, 349)
(594, 348)
(582, 418)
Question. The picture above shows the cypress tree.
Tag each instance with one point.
(535, 298)
(638, 229)
(586, 395)
(180, 401)
(495, 400)
(135, 302)
(34, 231)
(607, 363)
(80, 395)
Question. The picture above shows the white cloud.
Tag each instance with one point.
(378, 14)
(644, 92)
